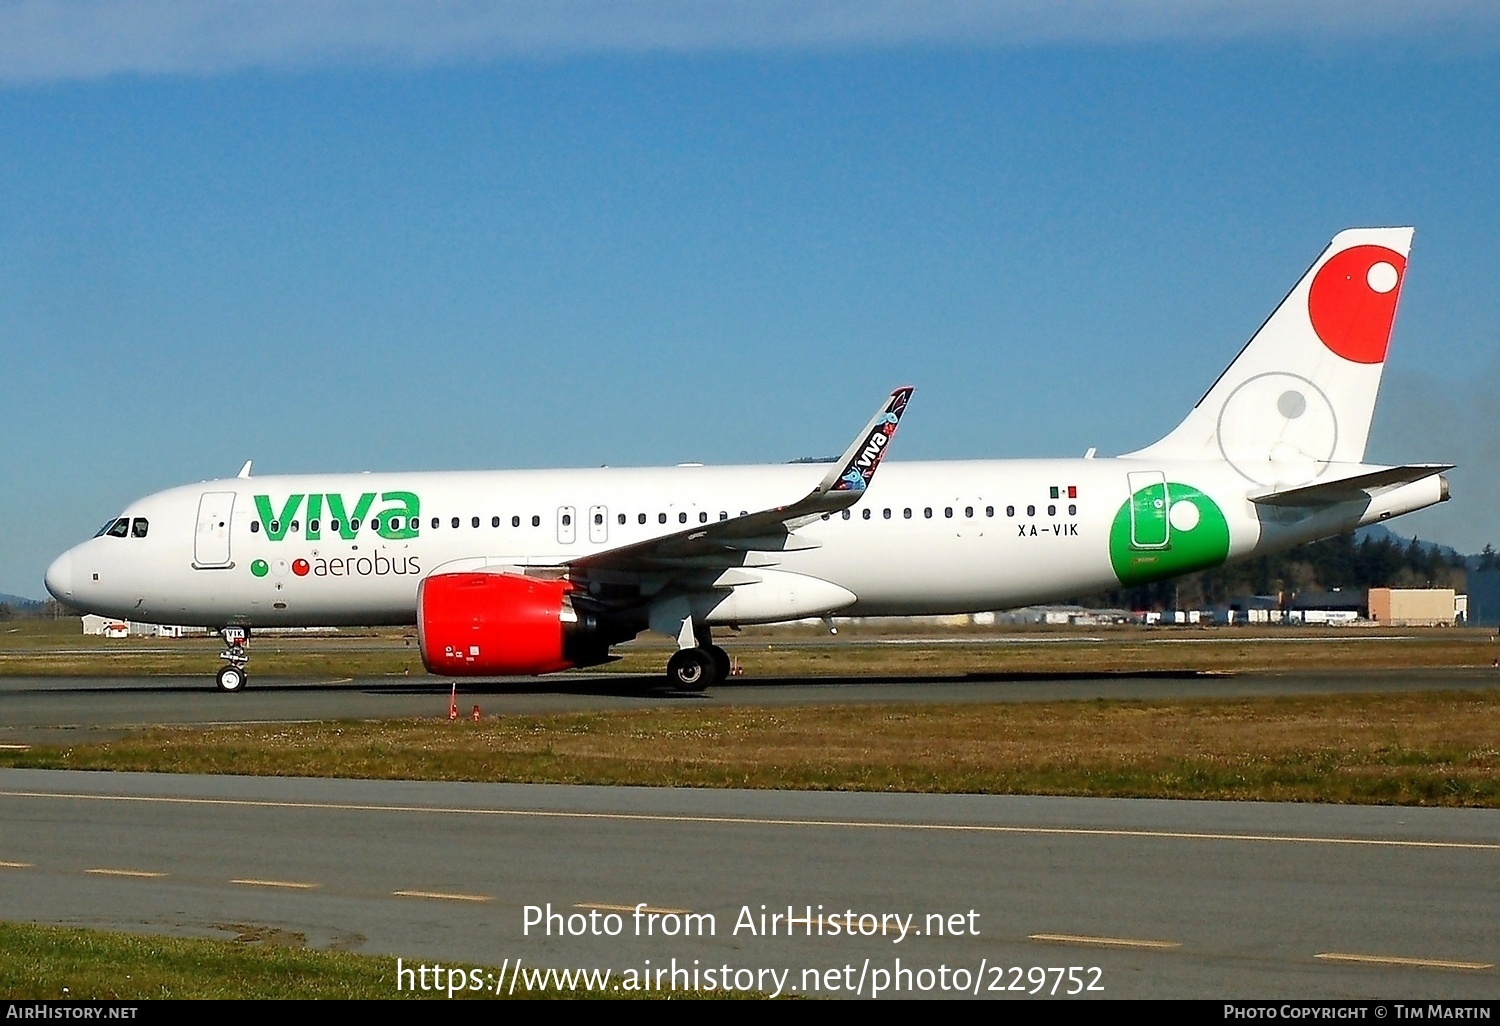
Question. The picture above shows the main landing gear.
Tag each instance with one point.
(693, 670)
(237, 654)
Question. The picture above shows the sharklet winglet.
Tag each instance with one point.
(856, 468)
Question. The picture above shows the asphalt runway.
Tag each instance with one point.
(45, 710)
(1144, 898)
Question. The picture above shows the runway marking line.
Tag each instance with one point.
(138, 874)
(15, 748)
(15, 865)
(647, 817)
(443, 896)
(288, 884)
(1103, 942)
(1418, 963)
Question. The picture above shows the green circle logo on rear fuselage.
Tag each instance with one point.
(1164, 530)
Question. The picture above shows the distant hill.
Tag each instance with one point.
(1379, 532)
(17, 602)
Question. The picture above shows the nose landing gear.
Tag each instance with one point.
(237, 654)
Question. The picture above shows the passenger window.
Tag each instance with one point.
(724, 515)
(621, 518)
(515, 521)
(294, 527)
(275, 527)
(927, 512)
(455, 521)
(846, 514)
(254, 528)
(906, 513)
(989, 511)
(661, 518)
(867, 514)
(887, 513)
(138, 527)
(1052, 511)
(948, 511)
(567, 520)
(494, 521)
(1031, 511)
(333, 525)
(435, 523)
(703, 517)
(682, 518)
(1072, 510)
(473, 521)
(968, 511)
(1010, 511)
(312, 526)
(536, 521)
(640, 518)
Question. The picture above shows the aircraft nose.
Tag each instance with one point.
(60, 577)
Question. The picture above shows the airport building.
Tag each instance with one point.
(1415, 607)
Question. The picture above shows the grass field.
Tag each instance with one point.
(1412, 749)
(58, 648)
(51, 963)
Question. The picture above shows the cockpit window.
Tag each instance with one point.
(138, 527)
(120, 528)
(105, 529)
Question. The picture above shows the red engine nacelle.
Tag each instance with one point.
(486, 623)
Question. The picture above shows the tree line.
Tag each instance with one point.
(1335, 563)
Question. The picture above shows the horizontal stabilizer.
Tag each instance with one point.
(1350, 489)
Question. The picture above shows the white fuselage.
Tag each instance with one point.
(926, 538)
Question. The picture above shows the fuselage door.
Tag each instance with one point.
(1149, 528)
(598, 524)
(211, 543)
(567, 525)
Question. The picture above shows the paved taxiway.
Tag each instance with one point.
(1220, 899)
(41, 710)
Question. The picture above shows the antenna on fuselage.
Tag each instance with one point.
(245, 470)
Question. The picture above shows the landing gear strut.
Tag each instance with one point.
(695, 669)
(237, 654)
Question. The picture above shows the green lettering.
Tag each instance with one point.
(410, 512)
(268, 518)
(336, 511)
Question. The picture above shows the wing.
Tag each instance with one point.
(724, 542)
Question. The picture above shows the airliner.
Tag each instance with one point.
(526, 572)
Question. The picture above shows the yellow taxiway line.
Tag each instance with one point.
(1103, 942)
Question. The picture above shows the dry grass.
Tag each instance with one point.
(1427, 749)
(56, 648)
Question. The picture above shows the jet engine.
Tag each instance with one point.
(471, 624)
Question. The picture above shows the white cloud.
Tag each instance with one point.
(49, 40)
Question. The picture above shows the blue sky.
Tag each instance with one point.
(400, 236)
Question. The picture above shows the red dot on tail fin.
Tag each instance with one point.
(1352, 302)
